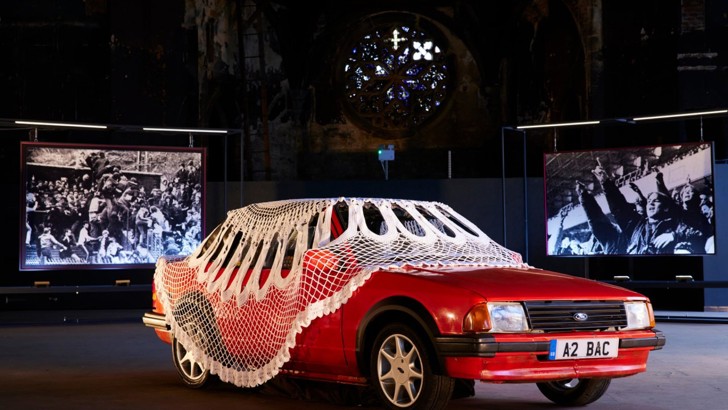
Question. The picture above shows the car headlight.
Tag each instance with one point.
(496, 317)
(507, 317)
(639, 315)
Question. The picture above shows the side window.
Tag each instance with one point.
(374, 219)
(435, 222)
(233, 249)
(339, 219)
(270, 257)
(456, 221)
(220, 245)
(408, 221)
(258, 249)
(290, 251)
(311, 231)
(211, 238)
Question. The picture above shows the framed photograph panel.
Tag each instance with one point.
(653, 200)
(106, 207)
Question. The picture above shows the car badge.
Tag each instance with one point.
(580, 316)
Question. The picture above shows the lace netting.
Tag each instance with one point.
(239, 300)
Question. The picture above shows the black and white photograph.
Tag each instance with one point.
(653, 200)
(108, 207)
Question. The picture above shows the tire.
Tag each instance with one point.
(192, 372)
(574, 392)
(193, 314)
(402, 373)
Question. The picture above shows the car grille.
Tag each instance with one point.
(555, 316)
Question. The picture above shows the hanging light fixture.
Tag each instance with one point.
(60, 124)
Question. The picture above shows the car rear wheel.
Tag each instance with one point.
(402, 374)
(574, 392)
(191, 370)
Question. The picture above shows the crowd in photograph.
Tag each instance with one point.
(664, 221)
(104, 215)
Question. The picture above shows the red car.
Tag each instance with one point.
(408, 297)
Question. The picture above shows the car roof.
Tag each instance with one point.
(370, 233)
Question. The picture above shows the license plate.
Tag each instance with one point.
(565, 349)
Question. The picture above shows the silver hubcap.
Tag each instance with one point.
(191, 367)
(399, 367)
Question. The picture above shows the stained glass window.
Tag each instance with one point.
(395, 78)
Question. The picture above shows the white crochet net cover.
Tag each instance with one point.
(239, 300)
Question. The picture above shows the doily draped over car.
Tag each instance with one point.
(239, 300)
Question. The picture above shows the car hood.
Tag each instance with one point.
(498, 283)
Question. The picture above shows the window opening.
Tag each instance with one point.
(395, 77)
(231, 252)
(438, 224)
(272, 252)
(221, 244)
(236, 270)
(339, 219)
(311, 231)
(408, 221)
(211, 239)
(374, 219)
(290, 251)
(456, 221)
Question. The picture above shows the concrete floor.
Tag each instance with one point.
(109, 360)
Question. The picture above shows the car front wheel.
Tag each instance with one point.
(193, 373)
(574, 392)
(402, 374)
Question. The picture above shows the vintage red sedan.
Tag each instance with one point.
(407, 297)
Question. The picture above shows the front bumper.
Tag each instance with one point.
(517, 359)
(487, 346)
